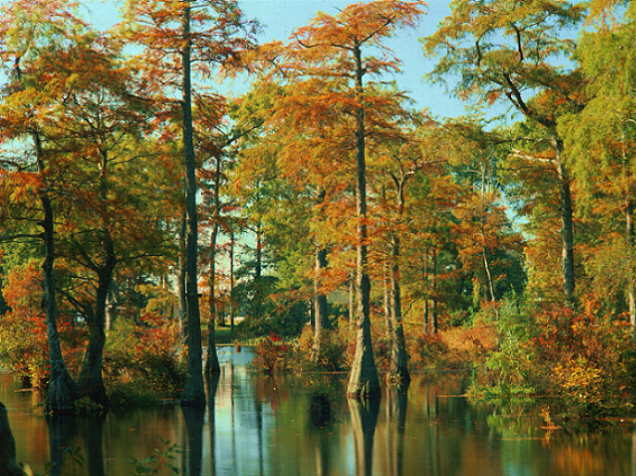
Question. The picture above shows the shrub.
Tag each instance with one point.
(272, 354)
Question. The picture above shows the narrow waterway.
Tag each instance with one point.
(303, 426)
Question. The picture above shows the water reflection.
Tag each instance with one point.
(8, 463)
(212, 385)
(396, 403)
(257, 425)
(364, 418)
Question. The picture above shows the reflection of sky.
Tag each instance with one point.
(264, 426)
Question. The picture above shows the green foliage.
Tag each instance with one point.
(146, 354)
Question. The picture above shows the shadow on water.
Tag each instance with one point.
(62, 430)
(321, 418)
(8, 463)
(193, 418)
(364, 418)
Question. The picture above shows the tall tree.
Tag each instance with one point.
(334, 47)
(505, 50)
(177, 36)
(28, 29)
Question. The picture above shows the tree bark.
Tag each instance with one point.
(363, 380)
(91, 383)
(399, 372)
(320, 303)
(181, 279)
(567, 225)
(434, 323)
(629, 236)
(61, 391)
(193, 393)
(231, 299)
(426, 294)
(387, 302)
(352, 298)
(212, 366)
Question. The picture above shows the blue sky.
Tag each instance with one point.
(280, 17)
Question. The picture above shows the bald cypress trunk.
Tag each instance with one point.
(363, 379)
(320, 303)
(399, 372)
(193, 393)
(567, 225)
(61, 391)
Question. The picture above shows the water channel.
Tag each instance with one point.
(287, 425)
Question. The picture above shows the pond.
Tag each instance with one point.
(303, 426)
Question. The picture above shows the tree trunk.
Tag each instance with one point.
(567, 225)
(193, 393)
(387, 302)
(363, 380)
(61, 391)
(181, 279)
(629, 235)
(258, 270)
(320, 304)
(426, 294)
(212, 360)
(91, 383)
(212, 366)
(399, 372)
(434, 323)
(352, 298)
(231, 299)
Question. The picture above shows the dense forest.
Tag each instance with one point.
(144, 216)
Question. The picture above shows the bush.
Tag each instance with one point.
(146, 353)
(333, 352)
(272, 354)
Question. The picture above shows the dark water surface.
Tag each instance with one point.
(303, 426)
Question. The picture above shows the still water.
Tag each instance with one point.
(303, 426)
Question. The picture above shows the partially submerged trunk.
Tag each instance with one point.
(212, 359)
(91, 383)
(363, 379)
(61, 391)
(193, 393)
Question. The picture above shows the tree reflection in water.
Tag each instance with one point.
(396, 403)
(193, 418)
(8, 464)
(364, 418)
(321, 417)
(62, 430)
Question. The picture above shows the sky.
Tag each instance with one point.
(280, 17)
